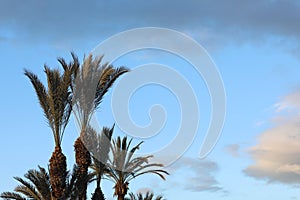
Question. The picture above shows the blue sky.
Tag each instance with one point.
(254, 44)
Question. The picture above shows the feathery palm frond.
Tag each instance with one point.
(92, 82)
(123, 167)
(140, 196)
(100, 151)
(11, 195)
(71, 191)
(101, 148)
(55, 100)
(108, 77)
(37, 186)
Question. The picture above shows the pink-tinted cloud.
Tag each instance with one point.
(276, 154)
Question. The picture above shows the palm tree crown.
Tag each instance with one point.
(92, 82)
(56, 99)
(140, 196)
(123, 167)
(38, 187)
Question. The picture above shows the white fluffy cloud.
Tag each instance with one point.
(277, 153)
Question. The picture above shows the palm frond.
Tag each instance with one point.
(141, 196)
(92, 82)
(56, 99)
(71, 191)
(160, 173)
(27, 189)
(11, 195)
(108, 77)
(41, 181)
(37, 186)
(123, 167)
(100, 154)
(41, 94)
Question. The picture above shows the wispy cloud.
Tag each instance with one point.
(290, 103)
(276, 154)
(194, 175)
(233, 150)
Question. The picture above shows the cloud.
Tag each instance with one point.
(290, 103)
(276, 155)
(212, 22)
(144, 190)
(233, 149)
(195, 175)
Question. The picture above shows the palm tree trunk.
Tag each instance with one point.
(58, 173)
(121, 190)
(83, 161)
(121, 197)
(98, 194)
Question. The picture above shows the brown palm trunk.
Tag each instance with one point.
(98, 194)
(121, 197)
(58, 174)
(121, 190)
(83, 161)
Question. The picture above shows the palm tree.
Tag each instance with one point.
(100, 156)
(139, 196)
(37, 186)
(123, 167)
(92, 81)
(56, 104)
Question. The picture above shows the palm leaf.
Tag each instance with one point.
(108, 77)
(123, 167)
(56, 99)
(41, 94)
(11, 195)
(27, 189)
(140, 196)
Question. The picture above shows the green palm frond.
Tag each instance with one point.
(100, 153)
(123, 166)
(41, 94)
(71, 190)
(84, 88)
(107, 79)
(11, 195)
(37, 186)
(55, 100)
(92, 82)
(140, 196)
(41, 180)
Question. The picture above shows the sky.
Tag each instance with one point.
(255, 46)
